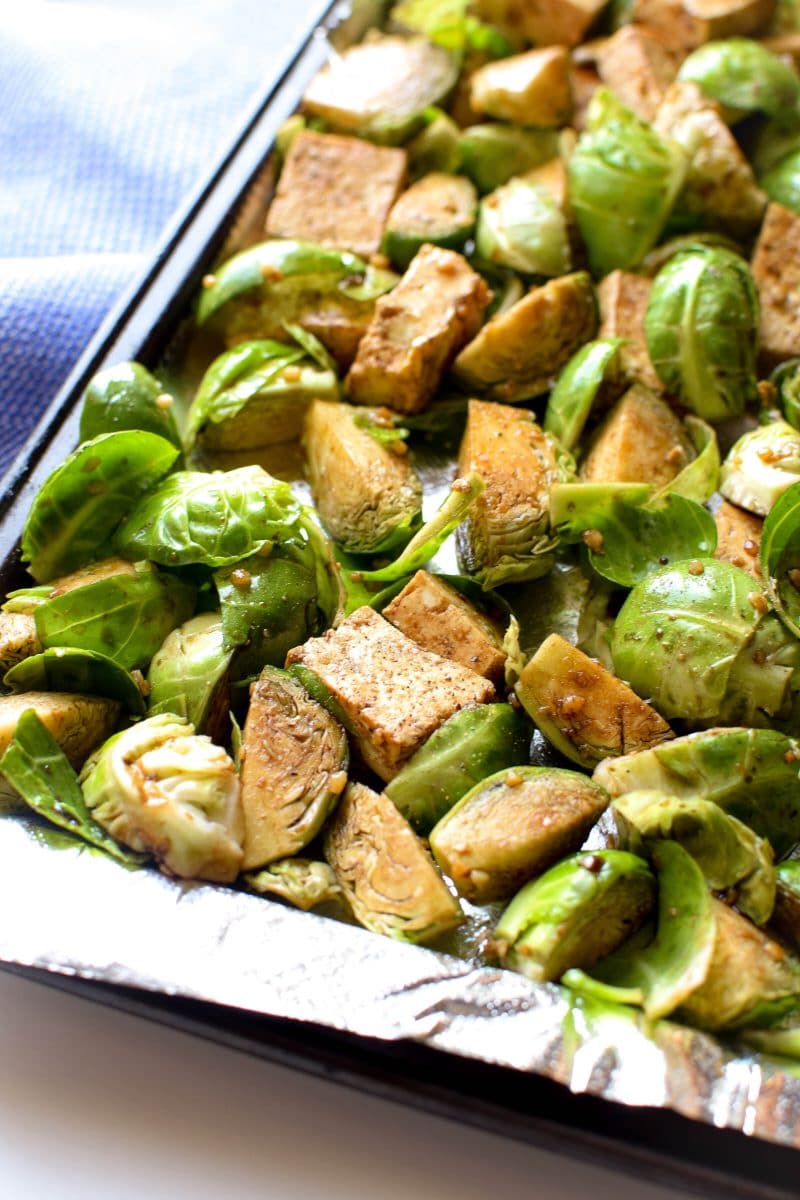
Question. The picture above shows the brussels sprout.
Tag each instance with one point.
(303, 882)
(78, 507)
(786, 381)
(513, 825)
(761, 466)
(521, 226)
(573, 397)
(582, 708)
(578, 911)
(162, 789)
(745, 77)
(731, 856)
(786, 914)
(18, 638)
(623, 180)
(294, 768)
(683, 636)
(436, 148)
(122, 610)
(701, 327)
(189, 675)
(526, 89)
(782, 182)
(369, 498)
(779, 556)
(470, 745)
(752, 774)
(447, 23)
(256, 395)
(127, 396)
(492, 154)
(698, 480)
(439, 209)
(381, 88)
(35, 766)
(66, 669)
(385, 872)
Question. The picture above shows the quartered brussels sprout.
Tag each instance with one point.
(436, 147)
(160, 788)
(18, 638)
(623, 181)
(294, 768)
(304, 882)
(127, 396)
(520, 226)
(469, 746)
(513, 825)
(256, 395)
(188, 675)
(385, 872)
(578, 911)
(439, 209)
(578, 386)
(752, 774)
(761, 466)
(368, 495)
(733, 858)
(701, 327)
(745, 77)
(491, 154)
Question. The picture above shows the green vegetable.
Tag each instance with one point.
(700, 477)
(447, 23)
(623, 180)
(470, 745)
(83, 671)
(745, 77)
(436, 148)
(215, 519)
(439, 209)
(188, 673)
(578, 911)
(577, 388)
(761, 466)
(521, 226)
(303, 882)
(127, 396)
(492, 153)
(786, 381)
(780, 557)
(752, 774)
(78, 507)
(782, 183)
(40, 771)
(701, 326)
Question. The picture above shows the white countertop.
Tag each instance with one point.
(99, 1105)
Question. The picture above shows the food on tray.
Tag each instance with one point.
(528, 275)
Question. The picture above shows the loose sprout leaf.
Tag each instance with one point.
(80, 505)
(381, 426)
(780, 557)
(214, 519)
(312, 346)
(786, 380)
(234, 379)
(26, 600)
(84, 672)
(37, 767)
(127, 396)
(699, 478)
(575, 392)
(629, 533)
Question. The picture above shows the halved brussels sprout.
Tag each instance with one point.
(439, 208)
(491, 154)
(761, 466)
(160, 788)
(745, 77)
(127, 396)
(521, 226)
(188, 676)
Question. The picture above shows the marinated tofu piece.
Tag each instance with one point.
(293, 768)
(438, 618)
(776, 270)
(687, 24)
(339, 322)
(526, 89)
(417, 331)
(738, 537)
(385, 872)
(336, 191)
(640, 441)
(541, 22)
(720, 189)
(623, 299)
(552, 176)
(517, 353)
(585, 711)
(18, 639)
(506, 535)
(638, 67)
(390, 693)
(512, 826)
(585, 82)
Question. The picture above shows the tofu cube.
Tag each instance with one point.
(640, 441)
(336, 191)
(637, 65)
(526, 89)
(541, 22)
(738, 537)
(776, 270)
(623, 299)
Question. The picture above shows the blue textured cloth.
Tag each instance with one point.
(110, 114)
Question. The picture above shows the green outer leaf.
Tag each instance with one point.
(234, 378)
(639, 533)
(125, 617)
(70, 670)
(37, 767)
(699, 479)
(214, 519)
(786, 378)
(275, 611)
(79, 506)
(312, 346)
(187, 668)
(780, 553)
(575, 392)
(125, 396)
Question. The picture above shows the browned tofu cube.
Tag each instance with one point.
(687, 24)
(640, 441)
(541, 22)
(526, 89)
(417, 330)
(738, 537)
(637, 65)
(336, 191)
(776, 269)
(623, 299)
(391, 694)
(437, 617)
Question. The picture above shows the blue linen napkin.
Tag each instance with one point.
(110, 114)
